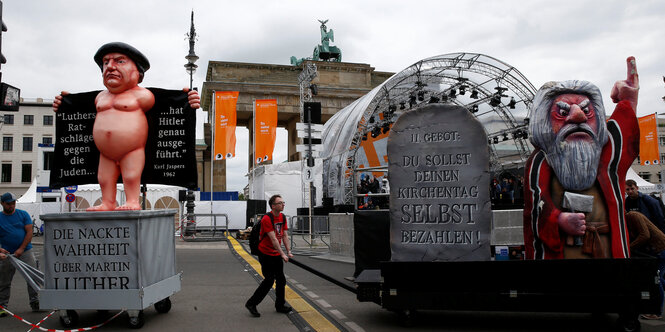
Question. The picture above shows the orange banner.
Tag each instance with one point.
(265, 129)
(649, 154)
(225, 124)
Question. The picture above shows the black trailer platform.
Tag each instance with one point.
(628, 287)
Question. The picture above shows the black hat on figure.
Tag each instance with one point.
(142, 63)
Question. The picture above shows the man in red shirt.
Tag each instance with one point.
(272, 257)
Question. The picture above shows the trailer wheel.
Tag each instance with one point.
(628, 323)
(70, 319)
(407, 317)
(137, 321)
(163, 306)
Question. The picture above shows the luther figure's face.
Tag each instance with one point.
(119, 72)
(573, 116)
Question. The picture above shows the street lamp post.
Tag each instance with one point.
(190, 67)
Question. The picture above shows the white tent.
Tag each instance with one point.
(644, 186)
(284, 179)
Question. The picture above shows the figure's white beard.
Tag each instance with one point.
(575, 163)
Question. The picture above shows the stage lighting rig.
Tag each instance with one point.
(412, 101)
(512, 103)
(421, 95)
(474, 94)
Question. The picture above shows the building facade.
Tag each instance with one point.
(23, 133)
(339, 84)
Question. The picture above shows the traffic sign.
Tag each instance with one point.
(71, 189)
(308, 174)
(70, 198)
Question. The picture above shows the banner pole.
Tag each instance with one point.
(212, 145)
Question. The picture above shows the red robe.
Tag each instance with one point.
(542, 237)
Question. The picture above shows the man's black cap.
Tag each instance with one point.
(142, 63)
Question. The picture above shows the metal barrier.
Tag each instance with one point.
(192, 231)
(319, 228)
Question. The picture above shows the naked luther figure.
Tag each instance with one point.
(121, 127)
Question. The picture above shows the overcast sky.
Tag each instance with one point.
(49, 44)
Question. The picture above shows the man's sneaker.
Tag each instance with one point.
(34, 306)
(285, 309)
(252, 310)
(3, 313)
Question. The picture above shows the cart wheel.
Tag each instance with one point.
(138, 321)
(70, 319)
(406, 317)
(163, 306)
(628, 323)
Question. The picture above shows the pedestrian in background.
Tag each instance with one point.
(15, 237)
(646, 238)
(272, 257)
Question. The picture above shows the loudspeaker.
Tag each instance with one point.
(254, 207)
(371, 243)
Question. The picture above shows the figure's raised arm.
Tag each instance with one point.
(193, 97)
(628, 89)
(57, 101)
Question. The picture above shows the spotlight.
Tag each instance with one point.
(365, 137)
(376, 132)
(402, 105)
(371, 120)
(474, 109)
(412, 101)
(385, 128)
(505, 137)
(433, 100)
(421, 95)
(392, 108)
(462, 89)
(512, 103)
(489, 140)
(526, 121)
(495, 100)
(453, 93)
(444, 98)
(474, 94)
(496, 139)
(314, 89)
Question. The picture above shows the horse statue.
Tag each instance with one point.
(323, 52)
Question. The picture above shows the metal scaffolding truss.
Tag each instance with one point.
(496, 93)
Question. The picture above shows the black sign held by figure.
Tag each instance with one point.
(169, 153)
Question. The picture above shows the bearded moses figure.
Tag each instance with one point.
(578, 151)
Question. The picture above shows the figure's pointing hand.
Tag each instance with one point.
(628, 89)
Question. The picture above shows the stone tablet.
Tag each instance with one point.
(440, 208)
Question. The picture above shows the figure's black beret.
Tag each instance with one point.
(142, 63)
